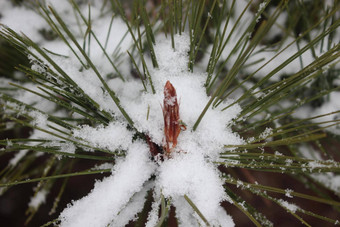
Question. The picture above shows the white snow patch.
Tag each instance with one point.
(110, 196)
(289, 206)
(103, 166)
(39, 119)
(153, 214)
(15, 160)
(14, 17)
(191, 175)
(113, 137)
(329, 180)
(38, 199)
(135, 205)
(266, 133)
(288, 193)
(37, 102)
(331, 105)
(67, 147)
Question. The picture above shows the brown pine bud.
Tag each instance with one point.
(172, 123)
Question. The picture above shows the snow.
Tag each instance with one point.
(103, 166)
(330, 179)
(187, 217)
(115, 136)
(289, 206)
(191, 175)
(38, 199)
(266, 133)
(152, 219)
(211, 135)
(184, 214)
(109, 196)
(18, 156)
(37, 102)
(14, 16)
(277, 29)
(288, 193)
(39, 119)
(331, 105)
(264, 56)
(120, 39)
(66, 147)
(261, 8)
(131, 210)
(179, 57)
(190, 170)
(9, 143)
(87, 81)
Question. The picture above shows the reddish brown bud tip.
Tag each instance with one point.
(172, 126)
(170, 95)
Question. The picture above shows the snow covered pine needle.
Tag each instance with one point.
(188, 175)
(237, 73)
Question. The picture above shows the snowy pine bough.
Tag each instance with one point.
(184, 104)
